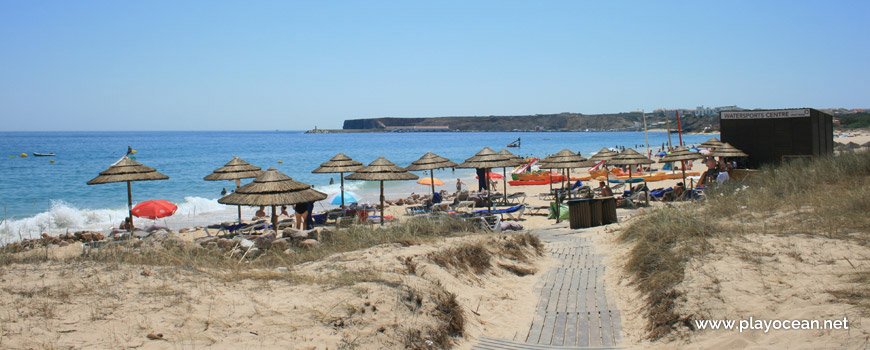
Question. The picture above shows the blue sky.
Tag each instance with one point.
(225, 65)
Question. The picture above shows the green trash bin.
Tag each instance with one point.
(579, 213)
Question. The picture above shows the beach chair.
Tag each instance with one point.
(251, 228)
(517, 198)
(514, 213)
(489, 223)
(440, 208)
(416, 210)
(464, 207)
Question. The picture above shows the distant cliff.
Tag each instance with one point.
(540, 122)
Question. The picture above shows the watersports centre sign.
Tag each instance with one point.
(773, 114)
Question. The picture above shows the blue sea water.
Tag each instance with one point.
(38, 195)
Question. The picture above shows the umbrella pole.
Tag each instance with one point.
(382, 202)
(630, 184)
(130, 207)
(569, 183)
(432, 182)
(240, 209)
(504, 178)
(342, 189)
(275, 220)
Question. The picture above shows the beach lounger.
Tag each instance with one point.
(416, 210)
(464, 207)
(542, 210)
(489, 223)
(514, 213)
(517, 198)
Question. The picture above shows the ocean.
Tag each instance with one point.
(40, 196)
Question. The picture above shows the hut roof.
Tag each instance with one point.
(273, 188)
(126, 169)
(630, 157)
(519, 160)
(382, 170)
(341, 163)
(603, 154)
(726, 150)
(430, 161)
(711, 143)
(234, 170)
(487, 158)
(565, 159)
(680, 153)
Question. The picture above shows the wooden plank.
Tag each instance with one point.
(563, 300)
(571, 329)
(575, 279)
(616, 321)
(549, 327)
(606, 329)
(583, 329)
(594, 329)
(600, 291)
(536, 328)
(559, 331)
(544, 299)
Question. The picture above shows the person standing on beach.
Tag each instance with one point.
(459, 184)
(302, 214)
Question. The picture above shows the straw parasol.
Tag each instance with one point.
(853, 145)
(604, 155)
(630, 157)
(339, 164)
(681, 154)
(382, 170)
(430, 161)
(726, 150)
(711, 143)
(565, 159)
(488, 159)
(273, 188)
(236, 169)
(866, 144)
(517, 162)
(127, 170)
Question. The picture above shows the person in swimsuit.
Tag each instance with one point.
(302, 214)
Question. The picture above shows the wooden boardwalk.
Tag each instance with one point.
(573, 310)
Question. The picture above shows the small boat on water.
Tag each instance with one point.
(43, 154)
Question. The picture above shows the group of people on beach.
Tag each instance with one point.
(301, 211)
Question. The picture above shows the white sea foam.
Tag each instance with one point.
(62, 217)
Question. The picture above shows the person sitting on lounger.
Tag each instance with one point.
(605, 190)
(676, 193)
(710, 175)
(261, 213)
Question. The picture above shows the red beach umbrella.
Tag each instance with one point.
(154, 209)
(493, 175)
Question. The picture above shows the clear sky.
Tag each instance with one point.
(225, 65)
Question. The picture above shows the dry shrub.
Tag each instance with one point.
(858, 293)
(829, 196)
(664, 240)
(518, 270)
(465, 257)
(450, 322)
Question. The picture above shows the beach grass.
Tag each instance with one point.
(827, 197)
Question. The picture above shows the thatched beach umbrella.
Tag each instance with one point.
(273, 188)
(866, 144)
(726, 150)
(517, 162)
(853, 145)
(127, 170)
(604, 155)
(488, 159)
(339, 164)
(630, 158)
(236, 169)
(681, 154)
(382, 170)
(430, 161)
(711, 143)
(565, 159)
